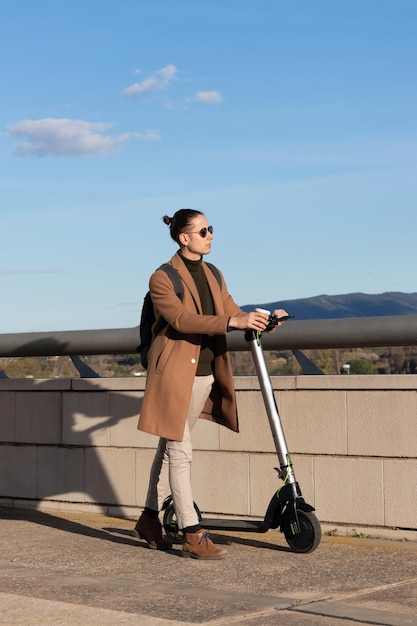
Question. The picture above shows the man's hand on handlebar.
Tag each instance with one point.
(255, 320)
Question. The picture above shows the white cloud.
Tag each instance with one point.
(208, 97)
(69, 137)
(148, 135)
(158, 81)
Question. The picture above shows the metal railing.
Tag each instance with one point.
(355, 332)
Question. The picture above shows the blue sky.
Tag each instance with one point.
(290, 124)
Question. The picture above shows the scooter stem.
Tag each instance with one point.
(285, 471)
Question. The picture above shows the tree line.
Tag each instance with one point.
(397, 360)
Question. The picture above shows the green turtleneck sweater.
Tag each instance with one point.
(205, 363)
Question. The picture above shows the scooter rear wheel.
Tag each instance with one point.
(310, 536)
(170, 524)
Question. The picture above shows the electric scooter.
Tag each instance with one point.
(287, 509)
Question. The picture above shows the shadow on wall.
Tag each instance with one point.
(78, 444)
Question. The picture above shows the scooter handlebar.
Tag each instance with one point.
(274, 321)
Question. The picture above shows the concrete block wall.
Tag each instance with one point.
(73, 443)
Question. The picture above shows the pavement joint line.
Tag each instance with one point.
(241, 619)
(356, 613)
(53, 612)
(368, 590)
(64, 578)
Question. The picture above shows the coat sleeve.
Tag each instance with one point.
(183, 315)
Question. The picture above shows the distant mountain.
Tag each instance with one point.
(348, 305)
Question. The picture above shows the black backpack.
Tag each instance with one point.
(147, 318)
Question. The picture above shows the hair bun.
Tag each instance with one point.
(167, 220)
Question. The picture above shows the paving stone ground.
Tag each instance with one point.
(78, 569)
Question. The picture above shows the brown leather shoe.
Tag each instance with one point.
(199, 546)
(150, 530)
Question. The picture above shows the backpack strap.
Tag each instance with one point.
(175, 278)
(215, 272)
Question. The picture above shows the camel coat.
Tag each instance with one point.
(174, 354)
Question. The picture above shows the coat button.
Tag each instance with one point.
(193, 361)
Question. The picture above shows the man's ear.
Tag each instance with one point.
(183, 239)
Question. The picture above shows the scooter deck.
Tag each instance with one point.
(255, 526)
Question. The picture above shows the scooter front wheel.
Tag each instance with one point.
(309, 537)
(170, 524)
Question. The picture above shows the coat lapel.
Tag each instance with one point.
(179, 265)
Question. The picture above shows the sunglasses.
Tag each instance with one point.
(203, 232)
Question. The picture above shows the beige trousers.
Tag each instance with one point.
(171, 467)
